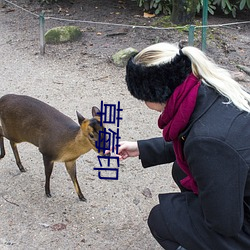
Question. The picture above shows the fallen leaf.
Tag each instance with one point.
(147, 15)
(58, 227)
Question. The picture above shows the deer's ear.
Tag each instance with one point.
(80, 118)
(96, 111)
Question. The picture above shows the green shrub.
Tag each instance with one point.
(157, 6)
(165, 6)
(211, 7)
(232, 6)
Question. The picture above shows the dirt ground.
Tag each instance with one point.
(77, 76)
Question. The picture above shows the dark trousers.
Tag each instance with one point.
(156, 222)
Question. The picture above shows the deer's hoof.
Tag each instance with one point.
(82, 198)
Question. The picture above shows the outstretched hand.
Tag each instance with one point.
(126, 149)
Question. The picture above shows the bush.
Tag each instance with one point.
(156, 6)
(165, 6)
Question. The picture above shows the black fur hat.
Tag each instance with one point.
(156, 83)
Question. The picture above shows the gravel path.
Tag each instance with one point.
(68, 78)
(77, 76)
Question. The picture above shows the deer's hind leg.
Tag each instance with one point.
(1, 144)
(71, 168)
(18, 161)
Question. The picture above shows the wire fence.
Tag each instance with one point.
(191, 28)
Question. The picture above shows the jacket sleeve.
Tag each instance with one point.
(155, 151)
(220, 173)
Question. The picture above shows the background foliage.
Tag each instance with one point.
(165, 6)
(227, 6)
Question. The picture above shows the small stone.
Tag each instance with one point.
(147, 193)
(62, 34)
(239, 76)
(121, 58)
(2, 3)
(136, 201)
(44, 225)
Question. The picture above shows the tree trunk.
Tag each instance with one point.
(183, 11)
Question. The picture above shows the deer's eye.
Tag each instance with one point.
(91, 136)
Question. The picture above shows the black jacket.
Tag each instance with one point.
(216, 145)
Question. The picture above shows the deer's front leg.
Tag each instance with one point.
(71, 168)
(48, 165)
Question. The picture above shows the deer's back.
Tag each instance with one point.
(24, 118)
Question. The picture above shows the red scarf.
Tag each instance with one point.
(174, 119)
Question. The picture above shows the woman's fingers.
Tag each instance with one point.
(124, 150)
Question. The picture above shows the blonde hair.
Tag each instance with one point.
(202, 67)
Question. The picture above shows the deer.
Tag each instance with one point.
(58, 138)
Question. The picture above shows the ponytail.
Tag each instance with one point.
(218, 78)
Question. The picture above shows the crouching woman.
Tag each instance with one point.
(205, 120)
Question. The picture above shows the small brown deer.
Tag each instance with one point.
(59, 138)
